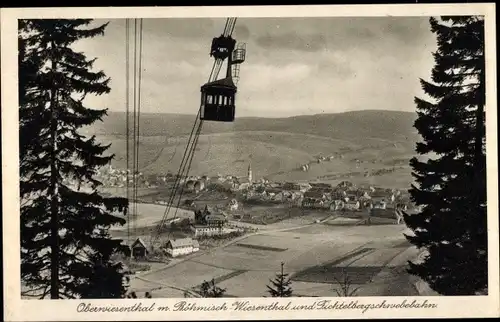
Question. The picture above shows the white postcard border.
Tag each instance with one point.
(64, 310)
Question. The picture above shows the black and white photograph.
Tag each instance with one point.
(254, 157)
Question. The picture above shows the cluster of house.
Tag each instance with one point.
(114, 177)
(323, 158)
(344, 196)
(277, 192)
(319, 159)
(173, 247)
(229, 182)
(304, 167)
(209, 222)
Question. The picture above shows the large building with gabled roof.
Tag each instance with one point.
(182, 246)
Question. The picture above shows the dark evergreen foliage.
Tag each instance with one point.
(210, 289)
(65, 245)
(281, 285)
(451, 181)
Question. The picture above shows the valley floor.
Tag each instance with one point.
(317, 257)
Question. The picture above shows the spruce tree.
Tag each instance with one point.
(211, 290)
(281, 285)
(66, 248)
(451, 181)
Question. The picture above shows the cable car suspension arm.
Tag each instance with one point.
(188, 156)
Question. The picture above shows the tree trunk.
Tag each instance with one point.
(54, 219)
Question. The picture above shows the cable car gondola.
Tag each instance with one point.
(217, 104)
(217, 100)
(218, 97)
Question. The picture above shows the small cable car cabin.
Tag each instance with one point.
(239, 53)
(222, 47)
(217, 100)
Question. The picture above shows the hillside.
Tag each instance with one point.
(275, 147)
(361, 124)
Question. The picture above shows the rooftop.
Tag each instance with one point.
(218, 216)
(224, 82)
(183, 242)
(203, 226)
(320, 184)
(139, 242)
(313, 194)
(384, 213)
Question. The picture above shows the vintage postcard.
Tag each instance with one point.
(215, 163)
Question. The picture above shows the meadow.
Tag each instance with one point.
(313, 255)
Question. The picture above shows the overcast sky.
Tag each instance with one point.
(294, 66)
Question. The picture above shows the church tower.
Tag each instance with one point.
(250, 173)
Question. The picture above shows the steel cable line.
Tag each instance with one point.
(127, 116)
(134, 119)
(139, 81)
(174, 188)
(225, 26)
(186, 156)
(191, 157)
(230, 24)
(134, 131)
(191, 146)
(186, 165)
(180, 175)
(132, 212)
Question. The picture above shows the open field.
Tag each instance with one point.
(313, 255)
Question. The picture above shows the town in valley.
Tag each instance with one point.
(253, 157)
(237, 230)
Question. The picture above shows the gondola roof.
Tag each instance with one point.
(221, 83)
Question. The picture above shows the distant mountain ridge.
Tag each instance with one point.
(382, 124)
(366, 141)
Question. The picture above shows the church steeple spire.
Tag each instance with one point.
(250, 172)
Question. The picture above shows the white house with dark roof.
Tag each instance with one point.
(352, 205)
(345, 184)
(189, 185)
(304, 187)
(199, 185)
(379, 204)
(233, 205)
(204, 230)
(183, 246)
(379, 193)
(215, 219)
